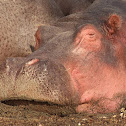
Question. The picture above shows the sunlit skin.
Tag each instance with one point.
(97, 83)
(92, 78)
(80, 61)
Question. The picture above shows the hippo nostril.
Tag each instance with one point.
(31, 62)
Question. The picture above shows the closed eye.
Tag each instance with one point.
(91, 34)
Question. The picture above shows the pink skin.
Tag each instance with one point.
(31, 62)
(96, 82)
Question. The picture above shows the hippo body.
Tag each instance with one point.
(73, 6)
(19, 20)
(82, 65)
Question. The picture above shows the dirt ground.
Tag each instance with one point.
(16, 113)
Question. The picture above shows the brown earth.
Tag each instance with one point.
(18, 113)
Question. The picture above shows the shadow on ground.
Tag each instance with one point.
(18, 113)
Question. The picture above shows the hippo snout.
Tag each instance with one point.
(41, 80)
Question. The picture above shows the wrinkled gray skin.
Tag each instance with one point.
(19, 20)
(73, 6)
(47, 79)
(33, 82)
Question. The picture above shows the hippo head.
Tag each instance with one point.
(85, 68)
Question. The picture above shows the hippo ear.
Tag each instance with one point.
(113, 24)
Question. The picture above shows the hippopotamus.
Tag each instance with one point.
(73, 6)
(19, 20)
(81, 64)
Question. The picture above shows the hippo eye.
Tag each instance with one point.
(91, 36)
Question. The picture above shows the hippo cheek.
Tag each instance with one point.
(87, 46)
